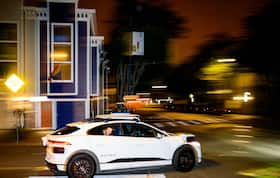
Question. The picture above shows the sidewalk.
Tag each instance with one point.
(25, 136)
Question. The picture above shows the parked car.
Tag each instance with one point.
(81, 149)
(120, 107)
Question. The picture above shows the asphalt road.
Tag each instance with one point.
(235, 149)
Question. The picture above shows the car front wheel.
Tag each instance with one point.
(184, 159)
(81, 166)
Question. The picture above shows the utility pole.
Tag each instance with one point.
(104, 66)
(107, 71)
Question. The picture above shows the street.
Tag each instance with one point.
(231, 149)
(93, 87)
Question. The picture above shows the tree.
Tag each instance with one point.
(159, 25)
(188, 75)
(260, 52)
(260, 47)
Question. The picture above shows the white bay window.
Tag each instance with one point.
(61, 68)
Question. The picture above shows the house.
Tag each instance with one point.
(52, 46)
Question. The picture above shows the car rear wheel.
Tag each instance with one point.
(81, 166)
(184, 159)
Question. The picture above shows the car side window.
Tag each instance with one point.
(107, 129)
(138, 130)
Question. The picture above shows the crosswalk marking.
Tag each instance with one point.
(220, 120)
(183, 123)
(175, 123)
(158, 124)
(112, 176)
(171, 124)
(164, 121)
(208, 121)
(194, 122)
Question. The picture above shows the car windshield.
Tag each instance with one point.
(66, 130)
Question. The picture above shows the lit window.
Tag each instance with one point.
(8, 52)
(8, 49)
(61, 53)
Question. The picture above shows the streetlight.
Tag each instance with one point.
(246, 97)
(226, 60)
(191, 96)
(14, 83)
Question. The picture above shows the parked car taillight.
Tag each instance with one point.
(191, 139)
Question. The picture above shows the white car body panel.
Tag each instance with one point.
(139, 164)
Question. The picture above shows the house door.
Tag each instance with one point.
(46, 114)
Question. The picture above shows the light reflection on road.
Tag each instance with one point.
(248, 141)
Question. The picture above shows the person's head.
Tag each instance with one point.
(107, 131)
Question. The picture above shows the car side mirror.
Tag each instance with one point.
(159, 136)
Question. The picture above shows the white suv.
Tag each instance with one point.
(81, 148)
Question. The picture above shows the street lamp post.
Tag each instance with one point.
(104, 79)
(107, 87)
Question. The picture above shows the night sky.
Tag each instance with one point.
(205, 17)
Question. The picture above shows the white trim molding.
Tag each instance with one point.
(38, 115)
(96, 41)
(67, 99)
(63, 1)
(35, 13)
(54, 115)
(85, 14)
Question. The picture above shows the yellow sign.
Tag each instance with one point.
(14, 83)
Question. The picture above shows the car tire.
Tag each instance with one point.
(184, 159)
(81, 166)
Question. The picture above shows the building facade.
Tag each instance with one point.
(54, 49)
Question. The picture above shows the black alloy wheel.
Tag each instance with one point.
(81, 166)
(184, 159)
